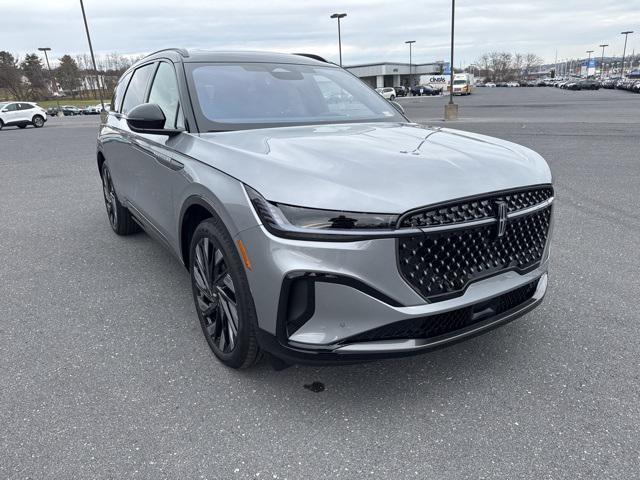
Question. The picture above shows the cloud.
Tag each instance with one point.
(374, 30)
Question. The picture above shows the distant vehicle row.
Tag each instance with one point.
(71, 110)
(391, 93)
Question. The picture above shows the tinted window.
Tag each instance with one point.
(24, 106)
(137, 87)
(118, 93)
(235, 96)
(12, 107)
(164, 92)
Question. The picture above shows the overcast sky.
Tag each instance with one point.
(374, 30)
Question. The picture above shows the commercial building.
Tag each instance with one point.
(389, 74)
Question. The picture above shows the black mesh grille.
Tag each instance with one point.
(444, 323)
(477, 209)
(442, 265)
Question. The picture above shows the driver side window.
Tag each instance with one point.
(137, 87)
(164, 93)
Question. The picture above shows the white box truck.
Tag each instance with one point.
(463, 83)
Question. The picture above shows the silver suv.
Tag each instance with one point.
(317, 222)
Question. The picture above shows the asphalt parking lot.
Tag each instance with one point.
(106, 374)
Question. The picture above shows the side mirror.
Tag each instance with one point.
(397, 106)
(149, 118)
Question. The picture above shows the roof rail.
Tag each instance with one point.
(182, 51)
(313, 56)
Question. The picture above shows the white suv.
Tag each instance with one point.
(387, 92)
(22, 114)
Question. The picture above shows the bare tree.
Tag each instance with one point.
(11, 76)
(532, 62)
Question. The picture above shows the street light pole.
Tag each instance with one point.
(339, 16)
(451, 109)
(54, 86)
(589, 61)
(93, 58)
(410, 42)
(624, 51)
(602, 60)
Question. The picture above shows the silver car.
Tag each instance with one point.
(317, 222)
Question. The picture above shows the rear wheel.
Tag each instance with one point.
(1, 124)
(37, 121)
(222, 296)
(120, 218)
(392, 98)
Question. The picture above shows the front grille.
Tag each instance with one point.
(449, 322)
(440, 265)
(475, 209)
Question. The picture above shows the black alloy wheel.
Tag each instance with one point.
(109, 197)
(222, 295)
(120, 218)
(216, 296)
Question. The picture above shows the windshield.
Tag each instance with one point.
(459, 82)
(259, 95)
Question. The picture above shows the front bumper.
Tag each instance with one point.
(357, 288)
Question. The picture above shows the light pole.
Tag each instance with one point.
(54, 86)
(624, 50)
(451, 109)
(410, 42)
(339, 16)
(93, 59)
(589, 61)
(603, 46)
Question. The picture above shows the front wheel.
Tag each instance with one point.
(222, 296)
(392, 98)
(38, 121)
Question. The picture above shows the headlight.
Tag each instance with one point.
(315, 224)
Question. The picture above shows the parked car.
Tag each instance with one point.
(589, 84)
(401, 91)
(22, 114)
(314, 231)
(90, 110)
(490, 84)
(512, 84)
(387, 92)
(419, 90)
(70, 110)
(95, 109)
(572, 85)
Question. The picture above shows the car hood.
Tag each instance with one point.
(372, 167)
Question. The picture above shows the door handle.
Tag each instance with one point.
(168, 162)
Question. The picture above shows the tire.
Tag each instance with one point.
(392, 98)
(221, 295)
(1, 124)
(37, 121)
(119, 217)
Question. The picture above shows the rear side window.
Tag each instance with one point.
(164, 92)
(118, 93)
(25, 106)
(137, 87)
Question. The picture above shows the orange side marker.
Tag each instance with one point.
(243, 254)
